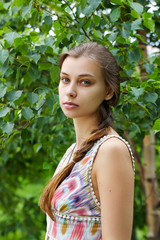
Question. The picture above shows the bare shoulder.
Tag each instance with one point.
(114, 146)
(114, 154)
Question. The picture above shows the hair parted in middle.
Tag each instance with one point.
(110, 72)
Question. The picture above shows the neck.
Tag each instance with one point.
(83, 129)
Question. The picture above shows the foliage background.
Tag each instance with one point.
(34, 131)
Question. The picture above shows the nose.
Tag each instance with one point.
(71, 91)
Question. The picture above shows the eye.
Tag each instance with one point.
(65, 79)
(85, 82)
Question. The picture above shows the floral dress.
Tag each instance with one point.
(75, 206)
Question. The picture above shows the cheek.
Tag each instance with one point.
(97, 96)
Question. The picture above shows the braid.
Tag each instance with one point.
(46, 198)
(110, 72)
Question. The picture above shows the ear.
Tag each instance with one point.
(109, 93)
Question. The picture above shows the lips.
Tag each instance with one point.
(70, 105)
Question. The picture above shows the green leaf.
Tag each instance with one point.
(27, 113)
(115, 14)
(134, 129)
(4, 68)
(4, 111)
(149, 68)
(135, 14)
(4, 54)
(35, 57)
(137, 24)
(46, 165)
(96, 19)
(11, 36)
(91, 6)
(33, 97)
(3, 91)
(112, 36)
(134, 55)
(18, 42)
(25, 11)
(137, 7)
(50, 41)
(48, 20)
(37, 147)
(14, 95)
(156, 126)
(52, 60)
(8, 127)
(41, 48)
(118, 2)
(125, 34)
(137, 92)
(83, 4)
(44, 66)
(151, 97)
(23, 49)
(54, 73)
(18, 3)
(148, 22)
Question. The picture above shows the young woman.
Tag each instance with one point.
(90, 196)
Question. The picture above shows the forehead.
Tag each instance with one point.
(81, 65)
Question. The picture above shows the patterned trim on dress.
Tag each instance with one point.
(78, 218)
(98, 143)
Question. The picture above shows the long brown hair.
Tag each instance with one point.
(110, 71)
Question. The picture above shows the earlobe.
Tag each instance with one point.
(109, 94)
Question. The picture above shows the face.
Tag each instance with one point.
(82, 88)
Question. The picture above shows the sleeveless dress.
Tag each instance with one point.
(75, 206)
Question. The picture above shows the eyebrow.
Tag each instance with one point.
(81, 75)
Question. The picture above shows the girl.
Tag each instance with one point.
(90, 196)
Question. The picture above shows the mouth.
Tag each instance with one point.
(70, 105)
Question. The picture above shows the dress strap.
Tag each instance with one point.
(95, 149)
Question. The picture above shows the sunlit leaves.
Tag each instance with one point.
(137, 7)
(83, 3)
(137, 24)
(148, 21)
(115, 14)
(3, 91)
(4, 54)
(156, 126)
(10, 37)
(118, 2)
(91, 6)
(4, 111)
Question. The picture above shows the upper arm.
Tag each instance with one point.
(115, 182)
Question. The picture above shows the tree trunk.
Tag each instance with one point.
(151, 188)
(150, 181)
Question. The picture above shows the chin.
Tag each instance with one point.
(69, 115)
